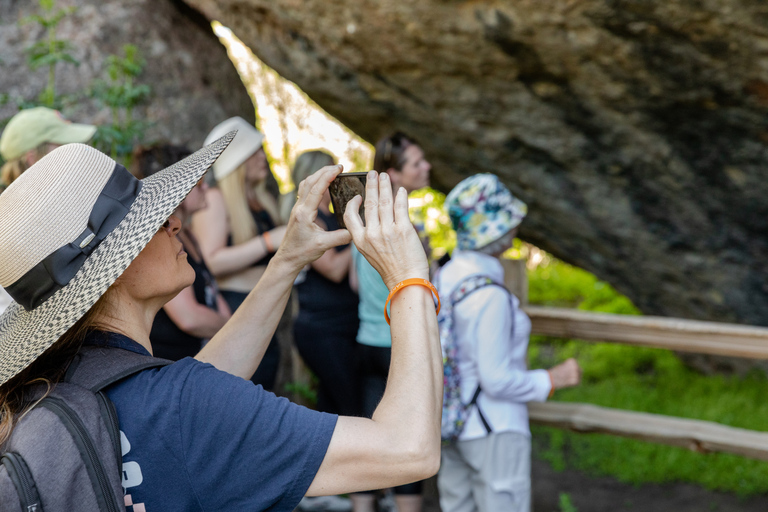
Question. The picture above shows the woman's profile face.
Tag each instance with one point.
(161, 269)
(256, 167)
(415, 171)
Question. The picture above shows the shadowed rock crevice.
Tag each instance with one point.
(635, 129)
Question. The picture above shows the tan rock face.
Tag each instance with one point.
(636, 130)
(194, 85)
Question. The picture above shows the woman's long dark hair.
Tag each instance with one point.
(390, 152)
(48, 369)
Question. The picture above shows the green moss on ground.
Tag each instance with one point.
(641, 379)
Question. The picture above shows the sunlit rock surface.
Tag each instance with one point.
(636, 130)
(194, 85)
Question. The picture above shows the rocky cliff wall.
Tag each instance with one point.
(636, 130)
(194, 85)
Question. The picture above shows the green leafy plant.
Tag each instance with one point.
(50, 51)
(308, 392)
(121, 93)
(426, 208)
(566, 505)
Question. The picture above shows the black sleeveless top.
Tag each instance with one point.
(170, 342)
(322, 301)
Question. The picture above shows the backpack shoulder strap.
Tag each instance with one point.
(95, 367)
(471, 284)
(459, 293)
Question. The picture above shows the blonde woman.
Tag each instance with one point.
(238, 232)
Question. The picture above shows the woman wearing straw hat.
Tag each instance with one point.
(238, 232)
(487, 468)
(93, 256)
(198, 312)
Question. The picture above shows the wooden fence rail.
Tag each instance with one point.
(652, 331)
(696, 435)
(648, 331)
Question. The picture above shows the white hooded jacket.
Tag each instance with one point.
(493, 348)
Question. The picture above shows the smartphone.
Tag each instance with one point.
(346, 186)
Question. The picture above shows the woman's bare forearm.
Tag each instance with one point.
(230, 259)
(401, 442)
(239, 346)
(415, 382)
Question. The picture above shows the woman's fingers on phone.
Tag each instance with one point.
(386, 214)
(401, 208)
(319, 182)
(311, 193)
(352, 218)
(335, 238)
(372, 200)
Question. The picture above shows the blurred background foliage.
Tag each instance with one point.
(119, 90)
(48, 52)
(121, 93)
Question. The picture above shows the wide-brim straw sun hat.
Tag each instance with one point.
(246, 143)
(482, 210)
(71, 224)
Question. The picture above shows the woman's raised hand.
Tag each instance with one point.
(388, 240)
(304, 241)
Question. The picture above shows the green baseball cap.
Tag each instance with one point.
(34, 126)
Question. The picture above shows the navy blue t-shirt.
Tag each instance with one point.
(195, 438)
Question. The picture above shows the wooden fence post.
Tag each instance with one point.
(516, 278)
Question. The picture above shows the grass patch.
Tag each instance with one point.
(641, 379)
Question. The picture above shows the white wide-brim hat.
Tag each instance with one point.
(246, 143)
(71, 224)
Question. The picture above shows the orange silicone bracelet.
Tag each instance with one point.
(267, 242)
(402, 284)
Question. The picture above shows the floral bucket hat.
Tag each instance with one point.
(482, 210)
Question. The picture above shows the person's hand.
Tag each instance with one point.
(303, 241)
(276, 236)
(388, 240)
(565, 374)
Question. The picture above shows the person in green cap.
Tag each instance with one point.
(33, 133)
(29, 136)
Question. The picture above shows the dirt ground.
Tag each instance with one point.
(590, 494)
(603, 494)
